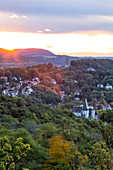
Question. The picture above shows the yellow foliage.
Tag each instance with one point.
(60, 149)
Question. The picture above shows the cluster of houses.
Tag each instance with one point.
(108, 86)
(23, 87)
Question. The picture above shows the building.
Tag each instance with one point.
(53, 81)
(36, 79)
(5, 78)
(76, 81)
(106, 107)
(67, 63)
(108, 86)
(100, 85)
(84, 110)
(62, 94)
(91, 69)
(77, 93)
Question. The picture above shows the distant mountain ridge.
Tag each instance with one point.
(35, 56)
(33, 51)
(24, 52)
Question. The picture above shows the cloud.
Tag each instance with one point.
(24, 16)
(40, 31)
(13, 16)
(49, 46)
(58, 7)
(47, 30)
(17, 16)
(61, 16)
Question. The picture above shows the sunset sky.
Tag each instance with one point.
(73, 27)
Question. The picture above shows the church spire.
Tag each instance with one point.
(85, 105)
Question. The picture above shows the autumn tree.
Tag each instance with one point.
(66, 153)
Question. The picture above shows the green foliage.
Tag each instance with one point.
(10, 155)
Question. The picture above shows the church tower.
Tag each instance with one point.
(67, 63)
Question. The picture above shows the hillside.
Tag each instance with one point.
(32, 52)
(57, 137)
(94, 80)
(48, 130)
(24, 52)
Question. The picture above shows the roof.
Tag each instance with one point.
(76, 91)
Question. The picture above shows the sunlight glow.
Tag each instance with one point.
(68, 43)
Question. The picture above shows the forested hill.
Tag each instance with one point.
(57, 138)
(98, 64)
(89, 74)
(37, 132)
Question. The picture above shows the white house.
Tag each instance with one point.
(91, 69)
(76, 81)
(77, 99)
(28, 92)
(53, 81)
(108, 86)
(100, 85)
(36, 79)
(5, 92)
(14, 78)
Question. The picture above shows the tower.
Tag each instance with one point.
(67, 64)
(85, 109)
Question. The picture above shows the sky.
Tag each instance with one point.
(73, 27)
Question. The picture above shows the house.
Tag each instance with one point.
(26, 81)
(28, 92)
(14, 78)
(100, 85)
(29, 86)
(11, 93)
(5, 92)
(36, 79)
(77, 99)
(108, 86)
(77, 93)
(84, 110)
(76, 81)
(34, 83)
(53, 81)
(21, 82)
(5, 78)
(106, 107)
(7, 83)
(91, 69)
(62, 94)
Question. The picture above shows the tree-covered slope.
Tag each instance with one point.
(38, 123)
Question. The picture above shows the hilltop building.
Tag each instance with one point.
(91, 69)
(84, 110)
(67, 63)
